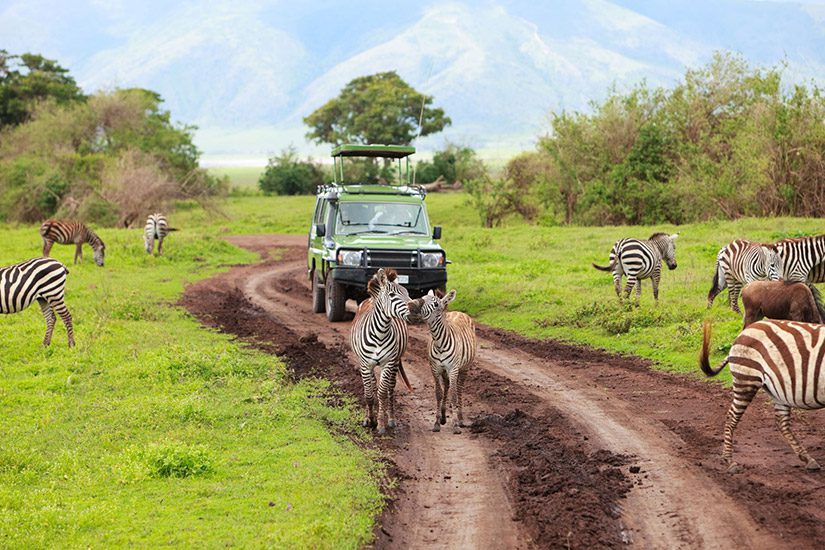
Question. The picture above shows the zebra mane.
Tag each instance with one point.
(372, 286)
(657, 235)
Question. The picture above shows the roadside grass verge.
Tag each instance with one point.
(154, 431)
(539, 281)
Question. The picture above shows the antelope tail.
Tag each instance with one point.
(703, 356)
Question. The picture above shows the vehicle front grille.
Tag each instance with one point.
(392, 258)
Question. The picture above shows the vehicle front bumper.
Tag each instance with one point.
(420, 279)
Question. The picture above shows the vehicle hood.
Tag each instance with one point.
(397, 242)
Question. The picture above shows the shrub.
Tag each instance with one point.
(454, 163)
(286, 174)
(173, 459)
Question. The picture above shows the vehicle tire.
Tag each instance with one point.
(318, 305)
(336, 299)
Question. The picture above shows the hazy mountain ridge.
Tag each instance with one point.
(252, 70)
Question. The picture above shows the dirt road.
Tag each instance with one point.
(569, 447)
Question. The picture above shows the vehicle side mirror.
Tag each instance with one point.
(320, 230)
(437, 232)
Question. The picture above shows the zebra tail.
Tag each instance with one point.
(703, 356)
(172, 229)
(817, 301)
(605, 268)
(404, 377)
(714, 289)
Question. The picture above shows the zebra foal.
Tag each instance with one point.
(71, 232)
(639, 259)
(783, 357)
(741, 262)
(378, 338)
(41, 279)
(156, 229)
(452, 350)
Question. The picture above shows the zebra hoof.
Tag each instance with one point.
(443, 419)
(436, 427)
(812, 465)
(391, 424)
(735, 468)
(367, 423)
(381, 431)
(456, 430)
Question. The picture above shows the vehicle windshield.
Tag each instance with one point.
(354, 218)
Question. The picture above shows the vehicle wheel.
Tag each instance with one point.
(336, 299)
(317, 293)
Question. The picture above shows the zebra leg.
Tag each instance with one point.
(439, 401)
(445, 378)
(368, 379)
(456, 381)
(387, 379)
(391, 397)
(638, 292)
(59, 306)
(78, 253)
(47, 247)
(617, 283)
(742, 396)
(160, 246)
(628, 287)
(50, 319)
(655, 282)
(733, 296)
(783, 420)
(150, 244)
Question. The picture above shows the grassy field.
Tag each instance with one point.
(240, 177)
(539, 280)
(154, 431)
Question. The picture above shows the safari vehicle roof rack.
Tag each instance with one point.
(332, 190)
(374, 151)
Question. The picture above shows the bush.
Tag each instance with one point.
(454, 163)
(178, 460)
(286, 174)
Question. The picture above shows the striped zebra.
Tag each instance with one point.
(638, 259)
(156, 229)
(800, 256)
(41, 279)
(71, 232)
(742, 262)
(378, 339)
(451, 352)
(785, 358)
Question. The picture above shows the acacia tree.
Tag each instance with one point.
(379, 108)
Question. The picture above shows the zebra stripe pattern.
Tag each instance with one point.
(783, 357)
(638, 259)
(156, 229)
(71, 232)
(378, 338)
(742, 262)
(800, 256)
(41, 279)
(451, 352)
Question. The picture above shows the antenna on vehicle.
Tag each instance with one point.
(421, 118)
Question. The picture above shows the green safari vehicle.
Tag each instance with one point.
(358, 228)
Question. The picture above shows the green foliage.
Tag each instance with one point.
(286, 174)
(453, 164)
(379, 108)
(172, 459)
(727, 141)
(28, 79)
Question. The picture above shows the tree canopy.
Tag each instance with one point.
(380, 108)
(28, 78)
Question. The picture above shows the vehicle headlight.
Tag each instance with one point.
(432, 259)
(349, 257)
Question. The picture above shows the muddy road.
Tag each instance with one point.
(569, 447)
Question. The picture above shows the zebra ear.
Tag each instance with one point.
(381, 277)
(430, 293)
(448, 298)
(674, 236)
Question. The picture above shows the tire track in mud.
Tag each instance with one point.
(556, 430)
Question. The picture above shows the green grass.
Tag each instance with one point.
(240, 177)
(155, 431)
(539, 281)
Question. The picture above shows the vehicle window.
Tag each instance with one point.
(375, 217)
(320, 212)
(316, 217)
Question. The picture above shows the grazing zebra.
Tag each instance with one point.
(638, 259)
(71, 232)
(41, 279)
(156, 229)
(742, 262)
(800, 256)
(452, 351)
(378, 339)
(785, 358)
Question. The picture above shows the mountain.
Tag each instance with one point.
(247, 73)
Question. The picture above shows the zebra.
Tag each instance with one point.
(741, 262)
(451, 352)
(638, 259)
(785, 358)
(156, 229)
(800, 256)
(71, 232)
(378, 338)
(41, 279)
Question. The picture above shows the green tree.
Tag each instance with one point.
(286, 174)
(29, 78)
(379, 108)
(454, 163)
